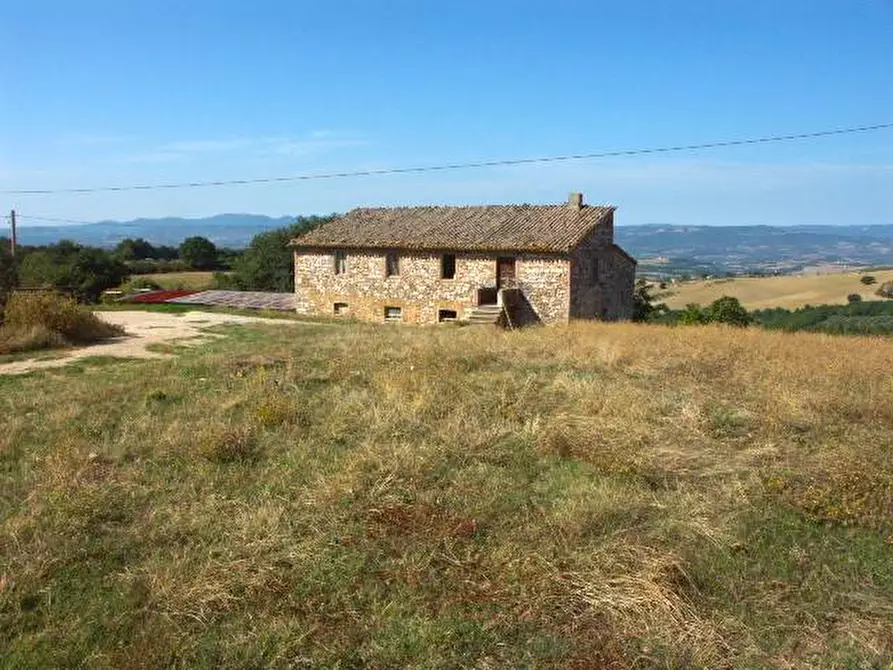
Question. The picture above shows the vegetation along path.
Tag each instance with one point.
(145, 332)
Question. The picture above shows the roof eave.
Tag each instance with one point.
(625, 254)
(313, 246)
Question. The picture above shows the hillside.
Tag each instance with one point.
(670, 250)
(345, 495)
(790, 291)
(225, 230)
(665, 250)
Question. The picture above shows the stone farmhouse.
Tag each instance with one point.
(514, 264)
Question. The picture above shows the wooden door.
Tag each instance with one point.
(505, 272)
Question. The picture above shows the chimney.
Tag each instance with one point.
(575, 201)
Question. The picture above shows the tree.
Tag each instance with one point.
(728, 310)
(885, 290)
(133, 250)
(643, 302)
(199, 253)
(39, 270)
(166, 253)
(8, 274)
(85, 271)
(268, 262)
(92, 271)
(853, 297)
(868, 280)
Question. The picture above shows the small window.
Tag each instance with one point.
(392, 265)
(341, 308)
(340, 262)
(448, 266)
(444, 315)
(594, 277)
(393, 314)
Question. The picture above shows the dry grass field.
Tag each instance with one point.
(197, 280)
(787, 291)
(346, 496)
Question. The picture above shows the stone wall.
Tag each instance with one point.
(621, 286)
(418, 289)
(601, 278)
(545, 282)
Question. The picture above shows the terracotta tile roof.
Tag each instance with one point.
(534, 228)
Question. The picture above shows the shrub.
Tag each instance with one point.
(73, 323)
(226, 282)
(868, 280)
(854, 297)
(8, 277)
(886, 290)
(728, 310)
(692, 314)
(871, 317)
(230, 445)
(19, 340)
(133, 285)
(147, 267)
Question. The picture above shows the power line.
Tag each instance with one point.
(49, 218)
(458, 166)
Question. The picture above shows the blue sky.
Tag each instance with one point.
(115, 93)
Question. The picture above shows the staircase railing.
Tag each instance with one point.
(504, 308)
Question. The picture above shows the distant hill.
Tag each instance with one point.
(717, 249)
(225, 230)
(660, 248)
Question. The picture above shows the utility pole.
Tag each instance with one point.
(12, 241)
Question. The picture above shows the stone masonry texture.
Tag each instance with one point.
(593, 280)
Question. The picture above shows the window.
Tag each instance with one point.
(391, 265)
(341, 308)
(393, 314)
(446, 315)
(340, 262)
(594, 273)
(448, 266)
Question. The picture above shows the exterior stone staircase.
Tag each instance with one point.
(484, 315)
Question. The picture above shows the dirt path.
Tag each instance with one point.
(143, 329)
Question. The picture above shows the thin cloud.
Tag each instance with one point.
(314, 143)
(93, 139)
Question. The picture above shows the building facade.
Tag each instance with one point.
(430, 264)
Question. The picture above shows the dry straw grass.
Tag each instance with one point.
(789, 291)
(47, 320)
(598, 496)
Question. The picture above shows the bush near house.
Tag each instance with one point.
(726, 310)
(644, 307)
(42, 320)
